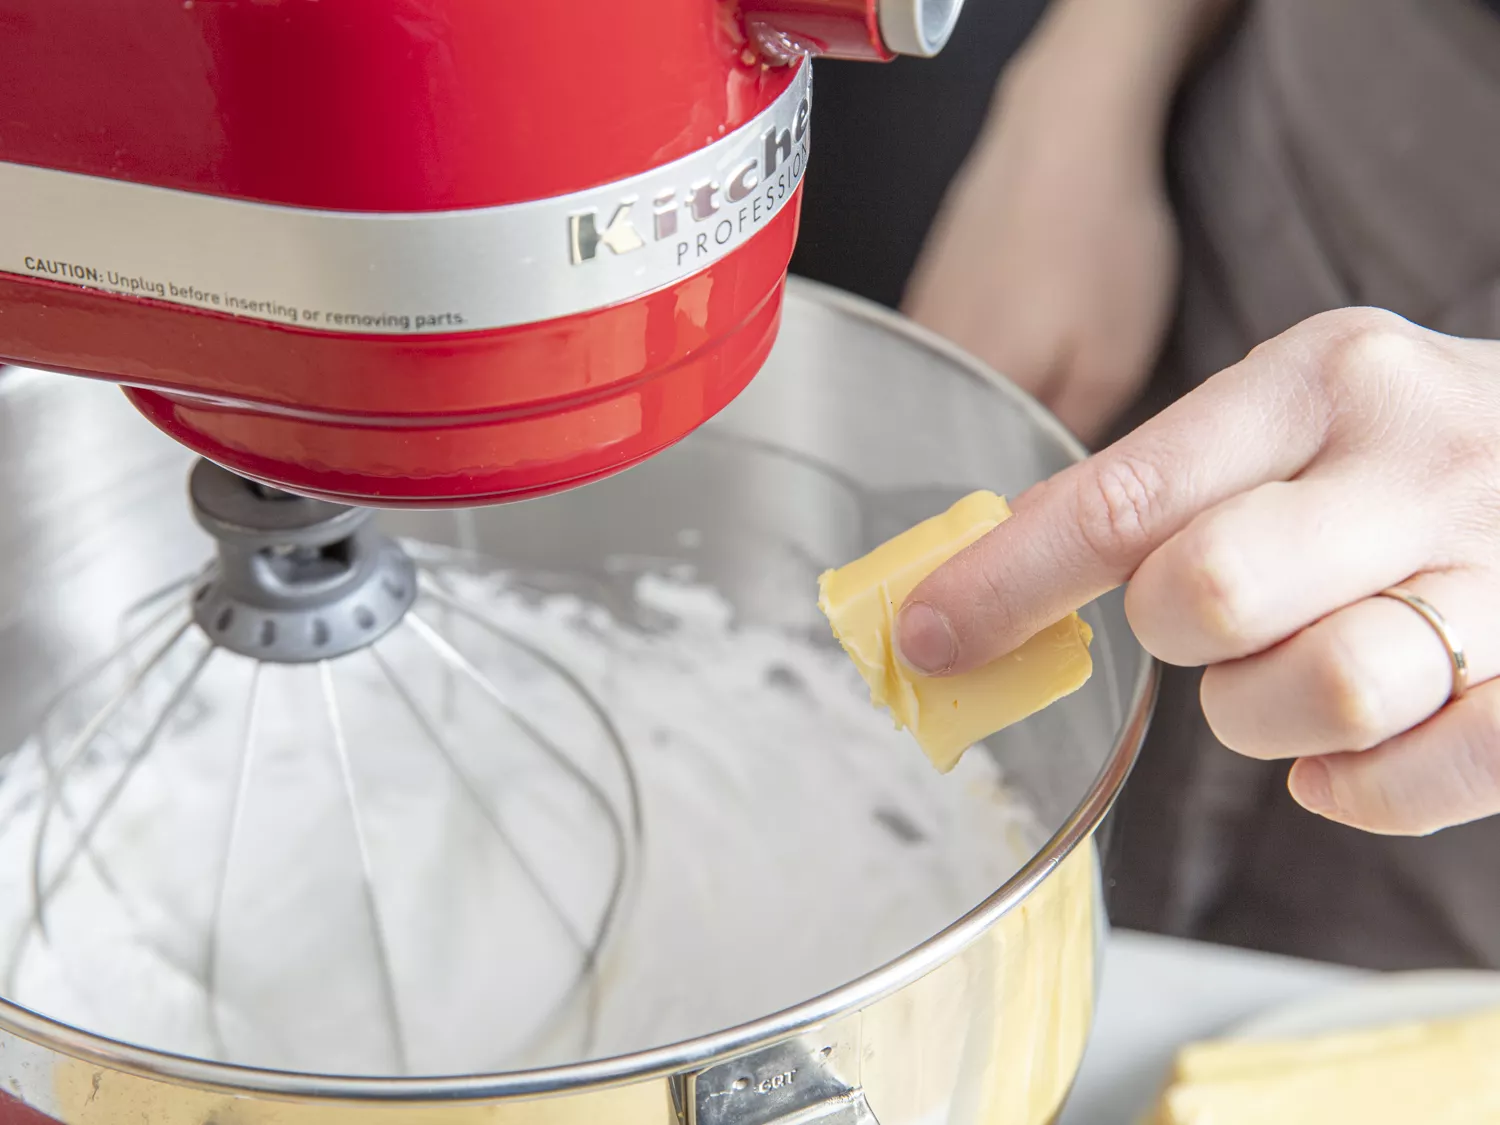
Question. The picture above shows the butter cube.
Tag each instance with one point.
(946, 714)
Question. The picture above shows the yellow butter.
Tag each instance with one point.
(1232, 1059)
(1444, 1072)
(946, 714)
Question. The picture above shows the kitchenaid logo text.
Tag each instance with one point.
(707, 215)
(474, 269)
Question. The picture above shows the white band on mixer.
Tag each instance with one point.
(411, 273)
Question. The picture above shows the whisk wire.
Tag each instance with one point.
(567, 675)
(89, 672)
(94, 668)
(53, 795)
(160, 594)
(622, 840)
(226, 861)
(588, 948)
(471, 790)
(367, 876)
(42, 891)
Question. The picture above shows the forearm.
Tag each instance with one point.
(1115, 64)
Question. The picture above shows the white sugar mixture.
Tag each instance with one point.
(789, 840)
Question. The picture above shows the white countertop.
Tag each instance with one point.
(1160, 993)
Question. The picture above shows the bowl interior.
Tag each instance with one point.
(776, 838)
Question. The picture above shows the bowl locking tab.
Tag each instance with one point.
(809, 1080)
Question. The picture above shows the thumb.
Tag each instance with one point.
(1086, 530)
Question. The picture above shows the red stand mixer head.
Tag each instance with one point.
(432, 254)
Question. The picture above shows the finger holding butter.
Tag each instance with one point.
(949, 713)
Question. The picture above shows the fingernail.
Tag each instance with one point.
(1311, 785)
(924, 639)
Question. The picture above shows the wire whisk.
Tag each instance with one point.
(314, 806)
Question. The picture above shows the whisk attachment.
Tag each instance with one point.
(296, 580)
(317, 803)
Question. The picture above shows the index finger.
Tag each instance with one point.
(1086, 530)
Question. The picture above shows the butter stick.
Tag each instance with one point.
(1445, 1072)
(946, 714)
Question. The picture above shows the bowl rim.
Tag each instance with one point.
(701, 1051)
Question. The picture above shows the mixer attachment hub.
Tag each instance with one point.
(296, 580)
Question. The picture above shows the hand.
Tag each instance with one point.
(1054, 259)
(1256, 520)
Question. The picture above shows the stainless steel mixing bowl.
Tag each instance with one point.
(859, 426)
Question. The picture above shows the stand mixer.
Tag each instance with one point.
(425, 254)
(363, 810)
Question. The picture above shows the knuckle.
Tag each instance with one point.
(1354, 711)
(1219, 592)
(1117, 508)
(1367, 320)
(1341, 362)
(1366, 343)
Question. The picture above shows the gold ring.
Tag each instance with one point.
(1456, 658)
